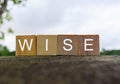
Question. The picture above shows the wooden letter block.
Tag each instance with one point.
(67, 45)
(26, 45)
(88, 45)
(46, 44)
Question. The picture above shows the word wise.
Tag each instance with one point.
(57, 45)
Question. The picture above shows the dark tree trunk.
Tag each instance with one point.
(3, 8)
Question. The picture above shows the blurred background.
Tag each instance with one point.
(23, 17)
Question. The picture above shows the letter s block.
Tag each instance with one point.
(67, 45)
(26, 45)
(46, 44)
(88, 45)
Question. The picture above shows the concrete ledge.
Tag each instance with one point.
(60, 70)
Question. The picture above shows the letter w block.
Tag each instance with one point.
(26, 45)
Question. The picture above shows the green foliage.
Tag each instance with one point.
(5, 11)
(1, 35)
(4, 17)
(4, 51)
(17, 1)
(110, 52)
(1, 21)
(8, 16)
(10, 31)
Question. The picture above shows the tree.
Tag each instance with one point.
(110, 52)
(5, 16)
(3, 7)
(6, 12)
(4, 51)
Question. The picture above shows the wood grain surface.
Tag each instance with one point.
(60, 70)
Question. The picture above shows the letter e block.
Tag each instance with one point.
(46, 44)
(88, 45)
(67, 45)
(26, 45)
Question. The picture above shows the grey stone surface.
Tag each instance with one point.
(60, 70)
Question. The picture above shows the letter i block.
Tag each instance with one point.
(26, 45)
(67, 45)
(46, 44)
(88, 45)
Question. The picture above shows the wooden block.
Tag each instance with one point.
(46, 44)
(67, 45)
(88, 45)
(26, 45)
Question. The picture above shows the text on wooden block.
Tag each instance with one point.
(57, 45)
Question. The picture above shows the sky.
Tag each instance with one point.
(100, 17)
